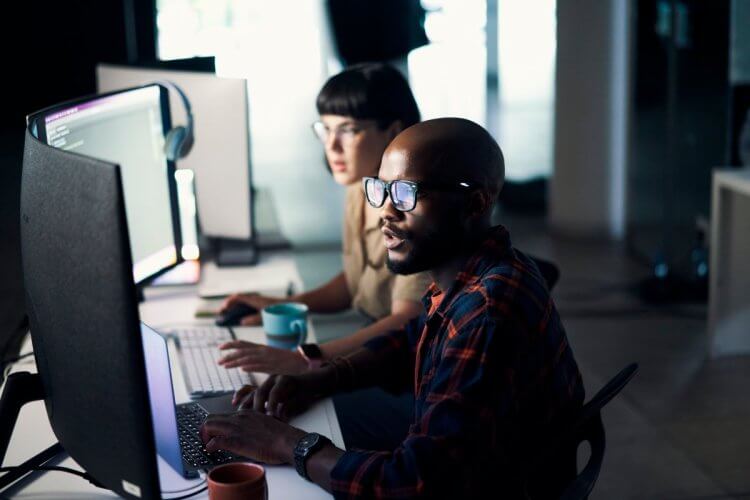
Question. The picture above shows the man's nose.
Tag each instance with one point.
(388, 212)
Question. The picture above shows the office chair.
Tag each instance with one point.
(589, 427)
(550, 271)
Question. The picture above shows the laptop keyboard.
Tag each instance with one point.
(190, 417)
(199, 351)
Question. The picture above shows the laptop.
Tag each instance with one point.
(177, 427)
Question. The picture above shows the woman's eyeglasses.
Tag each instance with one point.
(345, 133)
(404, 193)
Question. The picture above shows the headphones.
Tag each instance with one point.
(179, 140)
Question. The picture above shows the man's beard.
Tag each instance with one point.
(428, 251)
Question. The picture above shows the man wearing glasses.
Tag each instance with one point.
(488, 361)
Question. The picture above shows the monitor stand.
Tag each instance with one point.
(20, 388)
(231, 252)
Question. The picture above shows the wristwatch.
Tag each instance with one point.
(312, 354)
(306, 446)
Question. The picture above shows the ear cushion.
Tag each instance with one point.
(186, 145)
(173, 143)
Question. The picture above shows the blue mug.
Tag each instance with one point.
(285, 324)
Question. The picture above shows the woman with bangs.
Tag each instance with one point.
(361, 110)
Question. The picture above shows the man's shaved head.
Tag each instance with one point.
(452, 149)
(442, 156)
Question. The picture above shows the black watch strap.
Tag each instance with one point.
(307, 446)
(312, 351)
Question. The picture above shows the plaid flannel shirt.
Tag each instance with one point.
(493, 377)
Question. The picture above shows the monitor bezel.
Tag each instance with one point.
(36, 123)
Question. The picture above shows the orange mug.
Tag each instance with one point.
(237, 481)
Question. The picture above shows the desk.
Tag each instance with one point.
(729, 285)
(163, 307)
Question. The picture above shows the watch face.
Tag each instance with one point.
(309, 440)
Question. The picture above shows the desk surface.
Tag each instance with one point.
(166, 307)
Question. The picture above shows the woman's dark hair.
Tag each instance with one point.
(369, 91)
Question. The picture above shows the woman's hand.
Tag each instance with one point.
(253, 300)
(259, 358)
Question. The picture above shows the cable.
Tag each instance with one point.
(185, 489)
(18, 358)
(188, 495)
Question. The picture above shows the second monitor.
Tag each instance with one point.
(220, 158)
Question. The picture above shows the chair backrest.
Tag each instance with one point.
(556, 465)
(589, 427)
(550, 272)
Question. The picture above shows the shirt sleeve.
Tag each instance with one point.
(455, 434)
(398, 346)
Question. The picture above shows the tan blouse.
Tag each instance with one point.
(372, 286)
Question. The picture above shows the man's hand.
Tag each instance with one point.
(253, 435)
(253, 300)
(285, 396)
(259, 358)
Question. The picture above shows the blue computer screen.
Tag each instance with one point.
(161, 396)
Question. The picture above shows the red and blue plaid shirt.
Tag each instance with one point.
(493, 377)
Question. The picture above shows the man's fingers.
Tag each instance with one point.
(225, 443)
(277, 395)
(242, 393)
(261, 395)
(246, 403)
(216, 425)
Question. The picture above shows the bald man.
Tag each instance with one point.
(493, 376)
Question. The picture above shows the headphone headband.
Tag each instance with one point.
(180, 139)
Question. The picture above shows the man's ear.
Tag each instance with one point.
(481, 203)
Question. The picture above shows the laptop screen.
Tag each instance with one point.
(161, 396)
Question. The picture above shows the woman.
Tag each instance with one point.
(361, 110)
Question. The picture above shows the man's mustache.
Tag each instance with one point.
(393, 232)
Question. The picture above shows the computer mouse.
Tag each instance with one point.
(233, 315)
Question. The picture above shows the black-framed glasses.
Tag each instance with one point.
(404, 193)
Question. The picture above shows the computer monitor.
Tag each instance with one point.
(105, 376)
(83, 311)
(221, 156)
(127, 128)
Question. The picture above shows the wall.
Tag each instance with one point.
(592, 81)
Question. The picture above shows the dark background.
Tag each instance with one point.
(50, 52)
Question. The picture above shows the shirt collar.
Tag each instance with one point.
(495, 245)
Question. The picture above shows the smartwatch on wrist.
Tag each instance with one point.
(312, 355)
(306, 446)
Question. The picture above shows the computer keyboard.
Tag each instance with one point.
(190, 417)
(199, 352)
